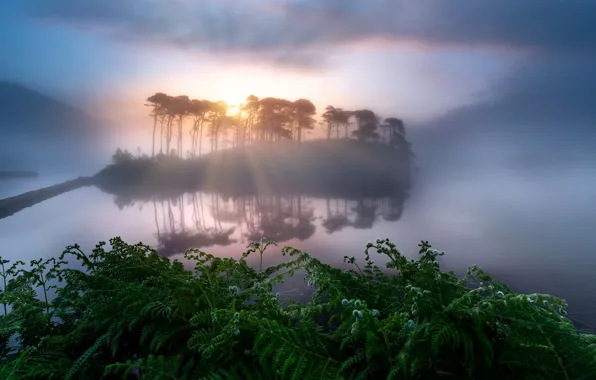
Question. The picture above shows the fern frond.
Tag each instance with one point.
(86, 356)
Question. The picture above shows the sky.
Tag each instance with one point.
(431, 63)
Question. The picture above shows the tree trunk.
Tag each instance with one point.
(169, 135)
(154, 129)
(200, 139)
(161, 135)
(193, 139)
(180, 121)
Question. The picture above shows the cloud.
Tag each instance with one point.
(540, 114)
(284, 30)
(551, 91)
(548, 94)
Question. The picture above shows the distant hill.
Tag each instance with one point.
(46, 135)
(25, 112)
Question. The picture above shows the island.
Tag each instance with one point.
(258, 147)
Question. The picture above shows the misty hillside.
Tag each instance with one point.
(25, 112)
(343, 168)
(513, 131)
(46, 135)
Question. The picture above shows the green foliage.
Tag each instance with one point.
(130, 313)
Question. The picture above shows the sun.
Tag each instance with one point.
(233, 106)
(233, 102)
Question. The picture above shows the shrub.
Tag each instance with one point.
(130, 312)
(122, 156)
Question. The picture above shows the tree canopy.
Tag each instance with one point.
(258, 119)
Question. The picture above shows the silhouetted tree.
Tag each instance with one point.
(180, 107)
(217, 112)
(395, 126)
(266, 119)
(342, 118)
(169, 114)
(198, 109)
(122, 156)
(275, 118)
(304, 111)
(403, 146)
(329, 119)
(367, 122)
(251, 113)
(334, 118)
(158, 102)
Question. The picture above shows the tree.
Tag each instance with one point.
(169, 115)
(395, 126)
(180, 107)
(251, 112)
(334, 118)
(198, 109)
(304, 111)
(217, 111)
(266, 119)
(275, 118)
(158, 102)
(342, 118)
(329, 118)
(397, 137)
(367, 123)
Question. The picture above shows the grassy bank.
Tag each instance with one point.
(348, 169)
(134, 314)
(12, 205)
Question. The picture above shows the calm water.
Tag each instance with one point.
(533, 228)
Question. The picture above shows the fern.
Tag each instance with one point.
(85, 357)
(134, 313)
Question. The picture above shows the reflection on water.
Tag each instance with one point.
(533, 233)
(202, 220)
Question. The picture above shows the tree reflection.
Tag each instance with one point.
(336, 219)
(281, 219)
(392, 209)
(201, 220)
(173, 237)
(366, 214)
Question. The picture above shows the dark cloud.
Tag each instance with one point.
(551, 92)
(548, 94)
(291, 26)
(542, 113)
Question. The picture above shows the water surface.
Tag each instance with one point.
(532, 228)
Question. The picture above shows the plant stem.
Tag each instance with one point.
(45, 293)
(4, 288)
(261, 251)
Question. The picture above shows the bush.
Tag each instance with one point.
(133, 313)
(122, 156)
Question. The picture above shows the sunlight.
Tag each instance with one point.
(234, 106)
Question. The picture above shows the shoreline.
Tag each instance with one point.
(11, 205)
(337, 169)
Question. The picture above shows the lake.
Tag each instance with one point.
(531, 227)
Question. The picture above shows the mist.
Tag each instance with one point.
(321, 125)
